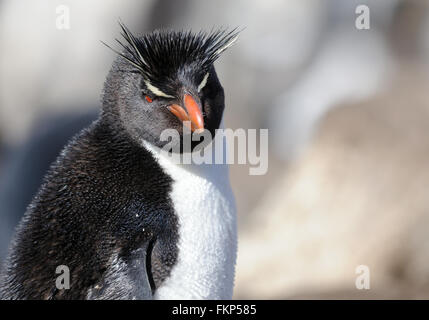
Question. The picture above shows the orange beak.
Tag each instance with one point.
(193, 113)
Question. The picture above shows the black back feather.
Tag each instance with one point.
(156, 55)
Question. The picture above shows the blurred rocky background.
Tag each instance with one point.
(347, 110)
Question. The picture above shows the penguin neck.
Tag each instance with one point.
(216, 173)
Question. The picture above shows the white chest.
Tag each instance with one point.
(204, 204)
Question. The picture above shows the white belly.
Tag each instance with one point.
(204, 204)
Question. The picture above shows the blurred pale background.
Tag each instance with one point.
(347, 110)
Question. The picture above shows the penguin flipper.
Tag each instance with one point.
(125, 279)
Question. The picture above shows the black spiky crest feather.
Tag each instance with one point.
(158, 53)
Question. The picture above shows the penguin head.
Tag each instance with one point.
(166, 80)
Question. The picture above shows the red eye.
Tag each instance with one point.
(148, 99)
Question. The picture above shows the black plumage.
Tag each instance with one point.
(86, 212)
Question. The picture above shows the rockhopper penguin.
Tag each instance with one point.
(128, 222)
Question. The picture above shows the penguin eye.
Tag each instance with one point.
(148, 99)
